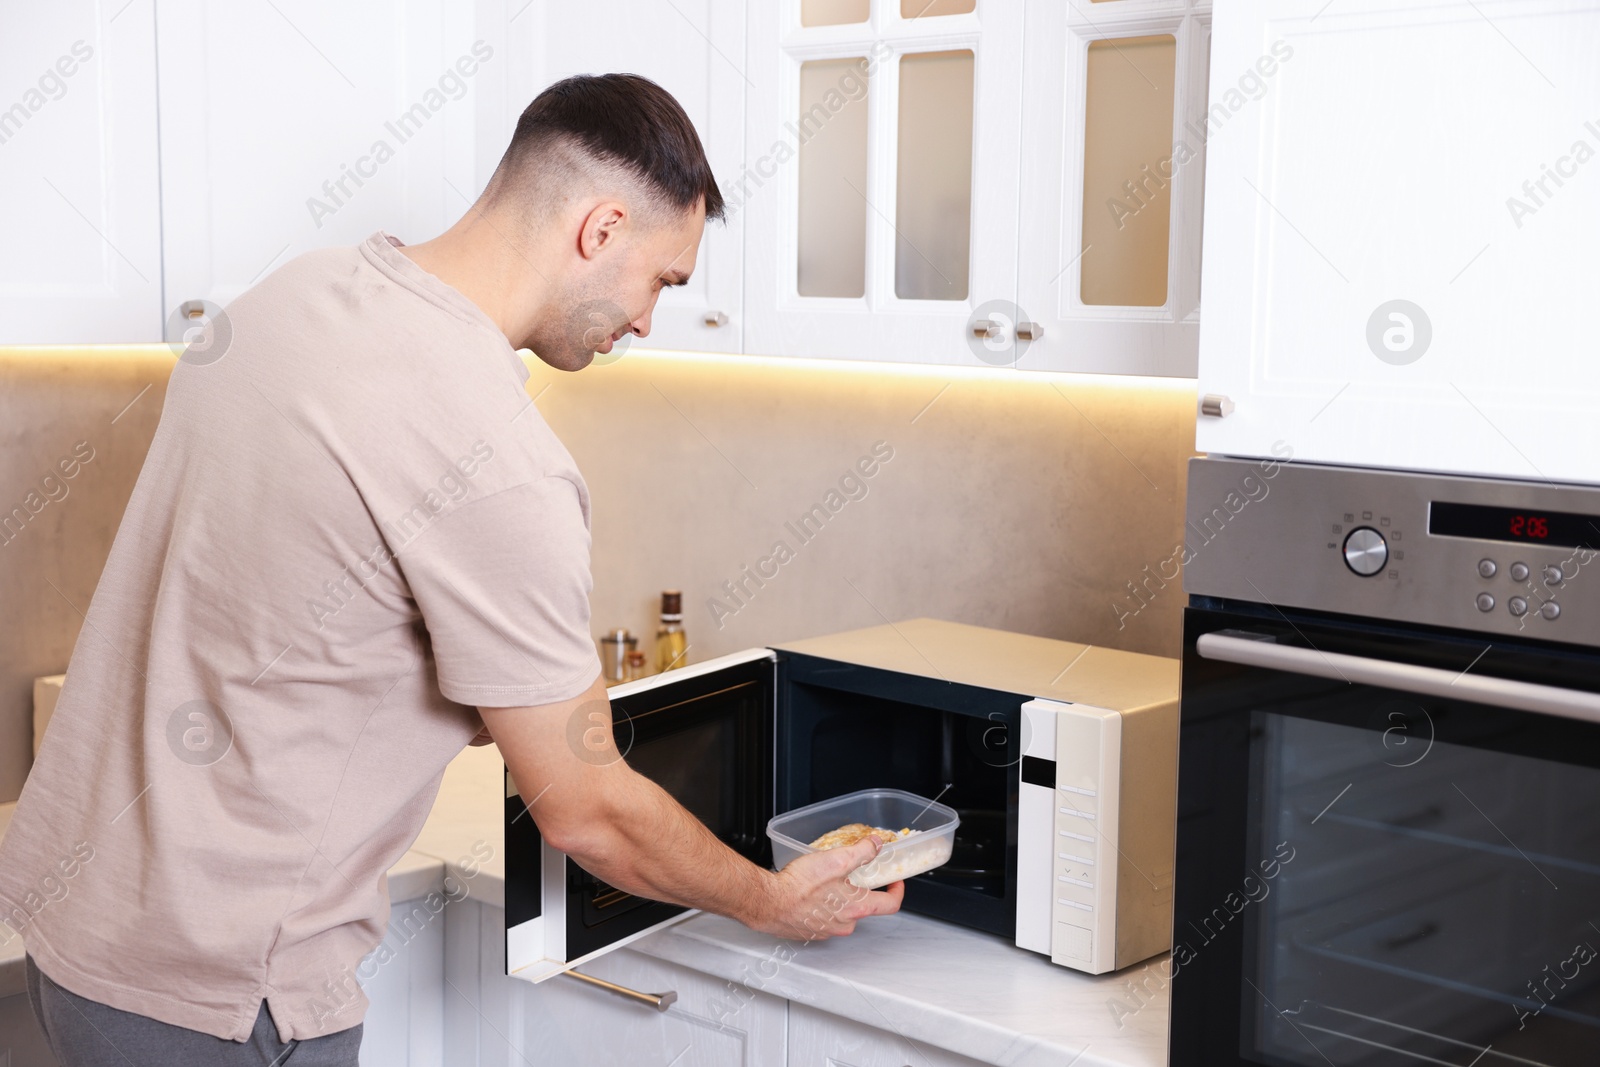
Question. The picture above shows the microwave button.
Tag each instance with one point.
(1551, 610)
(1083, 802)
(1487, 568)
(1077, 836)
(1485, 601)
(1077, 813)
(1075, 881)
(1080, 905)
(1518, 606)
(1553, 575)
(1070, 858)
(1519, 572)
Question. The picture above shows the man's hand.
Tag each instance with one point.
(625, 829)
(815, 900)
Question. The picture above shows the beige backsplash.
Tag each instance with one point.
(1018, 501)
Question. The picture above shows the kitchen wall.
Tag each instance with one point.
(94, 410)
(1019, 501)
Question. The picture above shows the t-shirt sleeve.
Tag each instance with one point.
(503, 585)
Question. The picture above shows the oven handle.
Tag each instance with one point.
(1429, 681)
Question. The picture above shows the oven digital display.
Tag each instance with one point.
(1520, 525)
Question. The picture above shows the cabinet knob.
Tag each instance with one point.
(658, 1001)
(1029, 331)
(988, 330)
(715, 319)
(1216, 405)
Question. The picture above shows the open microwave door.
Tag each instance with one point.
(704, 733)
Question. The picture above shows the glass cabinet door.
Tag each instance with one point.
(880, 178)
(1114, 138)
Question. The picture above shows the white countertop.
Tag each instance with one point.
(929, 981)
(934, 983)
(937, 984)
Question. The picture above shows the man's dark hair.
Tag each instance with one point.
(621, 119)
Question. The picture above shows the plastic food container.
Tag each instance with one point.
(891, 809)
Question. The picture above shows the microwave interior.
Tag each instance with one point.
(843, 728)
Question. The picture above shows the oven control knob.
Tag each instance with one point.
(1365, 551)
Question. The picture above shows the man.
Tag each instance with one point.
(352, 529)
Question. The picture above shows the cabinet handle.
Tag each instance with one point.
(988, 329)
(1029, 331)
(658, 1001)
(1216, 405)
(715, 319)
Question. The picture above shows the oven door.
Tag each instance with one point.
(1388, 846)
(704, 734)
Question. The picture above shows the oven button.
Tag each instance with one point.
(1518, 606)
(1519, 572)
(1551, 610)
(1553, 575)
(1485, 602)
(1487, 569)
(1365, 551)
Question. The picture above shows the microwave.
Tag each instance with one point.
(1060, 758)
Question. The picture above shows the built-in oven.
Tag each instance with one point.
(1388, 844)
(1059, 759)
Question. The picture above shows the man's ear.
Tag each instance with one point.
(602, 227)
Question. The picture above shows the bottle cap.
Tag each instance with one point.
(672, 602)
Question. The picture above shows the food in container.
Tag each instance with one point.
(927, 833)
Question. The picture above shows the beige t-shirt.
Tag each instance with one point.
(350, 528)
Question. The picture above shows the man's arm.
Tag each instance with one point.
(623, 828)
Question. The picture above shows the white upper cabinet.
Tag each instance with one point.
(80, 258)
(892, 192)
(695, 50)
(294, 125)
(1113, 141)
(1400, 236)
(880, 179)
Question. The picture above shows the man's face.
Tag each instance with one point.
(616, 293)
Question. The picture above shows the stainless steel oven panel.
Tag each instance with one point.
(1277, 533)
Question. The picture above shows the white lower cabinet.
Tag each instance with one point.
(403, 979)
(565, 1021)
(492, 1020)
(443, 998)
(817, 1039)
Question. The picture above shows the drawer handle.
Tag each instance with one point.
(658, 1001)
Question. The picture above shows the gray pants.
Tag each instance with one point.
(86, 1033)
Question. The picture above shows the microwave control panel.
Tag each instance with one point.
(1066, 834)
